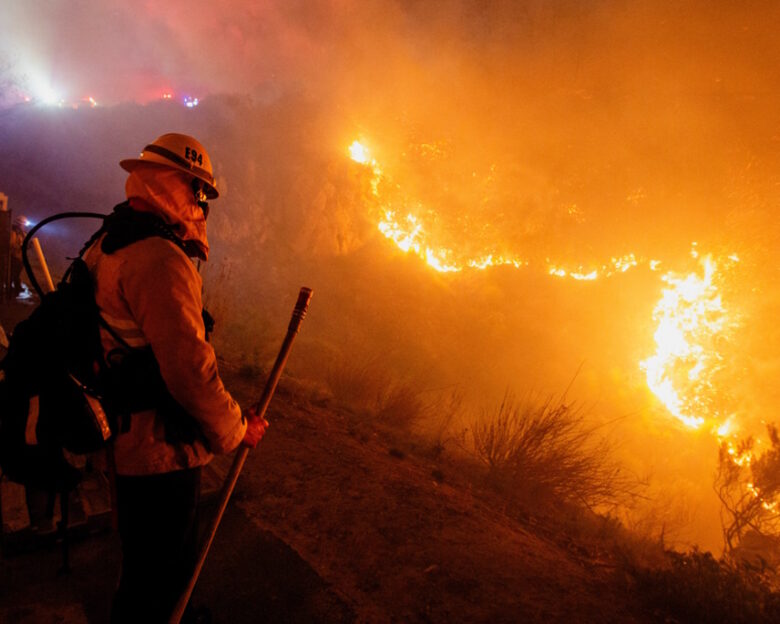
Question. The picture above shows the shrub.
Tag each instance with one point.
(367, 386)
(441, 413)
(399, 405)
(748, 486)
(359, 384)
(694, 587)
(546, 453)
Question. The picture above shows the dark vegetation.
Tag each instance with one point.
(748, 485)
(695, 587)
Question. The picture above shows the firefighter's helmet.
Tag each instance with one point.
(21, 222)
(178, 151)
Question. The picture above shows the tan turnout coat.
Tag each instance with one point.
(150, 294)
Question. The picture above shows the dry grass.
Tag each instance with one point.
(442, 413)
(545, 453)
(359, 384)
(366, 386)
(400, 405)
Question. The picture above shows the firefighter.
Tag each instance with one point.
(149, 295)
(18, 232)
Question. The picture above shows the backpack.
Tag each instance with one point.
(49, 379)
(57, 391)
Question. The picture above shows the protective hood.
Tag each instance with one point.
(167, 193)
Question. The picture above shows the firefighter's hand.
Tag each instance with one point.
(255, 428)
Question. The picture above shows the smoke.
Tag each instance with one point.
(564, 130)
(119, 52)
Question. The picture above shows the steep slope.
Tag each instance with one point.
(401, 541)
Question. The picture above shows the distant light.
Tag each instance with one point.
(44, 93)
(167, 96)
(51, 99)
(92, 102)
(191, 102)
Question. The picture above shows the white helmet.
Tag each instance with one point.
(178, 151)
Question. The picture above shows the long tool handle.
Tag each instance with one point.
(47, 281)
(304, 296)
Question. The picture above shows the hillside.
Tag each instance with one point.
(332, 522)
(343, 514)
(402, 538)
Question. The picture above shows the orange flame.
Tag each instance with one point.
(690, 315)
(410, 235)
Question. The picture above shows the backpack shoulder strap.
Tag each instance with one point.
(125, 226)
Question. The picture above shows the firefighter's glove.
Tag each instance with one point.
(255, 428)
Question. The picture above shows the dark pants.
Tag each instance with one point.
(158, 527)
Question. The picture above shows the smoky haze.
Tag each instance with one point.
(564, 130)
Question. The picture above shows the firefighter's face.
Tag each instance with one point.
(199, 192)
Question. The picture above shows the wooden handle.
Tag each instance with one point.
(304, 297)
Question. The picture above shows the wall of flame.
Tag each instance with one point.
(688, 373)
